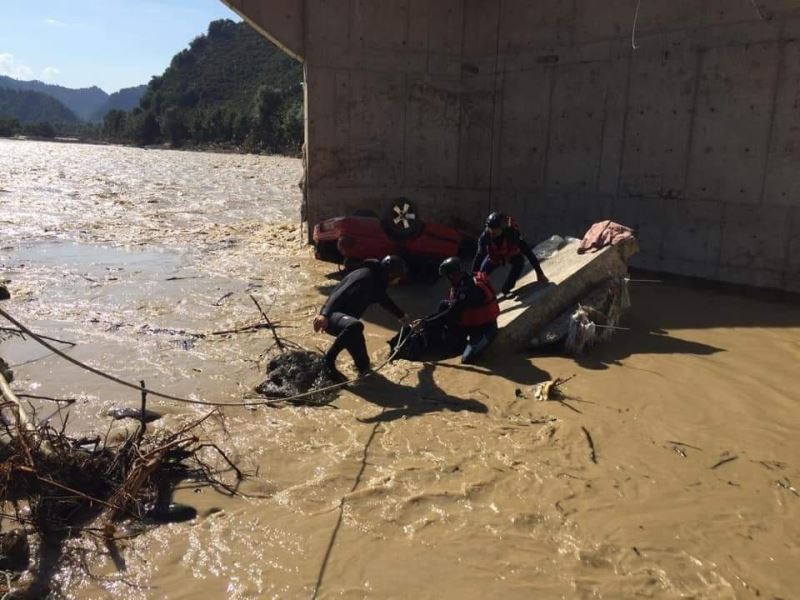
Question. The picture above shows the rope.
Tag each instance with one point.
(158, 394)
(335, 533)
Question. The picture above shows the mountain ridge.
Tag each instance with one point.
(33, 107)
(89, 103)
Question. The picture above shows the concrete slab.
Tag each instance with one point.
(571, 276)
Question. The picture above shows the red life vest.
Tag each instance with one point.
(500, 251)
(475, 316)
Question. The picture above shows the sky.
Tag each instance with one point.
(112, 44)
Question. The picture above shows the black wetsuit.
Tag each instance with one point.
(347, 303)
(483, 261)
(444, 327)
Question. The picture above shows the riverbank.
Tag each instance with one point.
(218, 148)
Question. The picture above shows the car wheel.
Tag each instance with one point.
(401, 219)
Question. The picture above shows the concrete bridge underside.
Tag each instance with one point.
(544, 109)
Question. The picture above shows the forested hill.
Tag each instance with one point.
(33, 107)
(124, 99)
(83, 102)
(230, 86)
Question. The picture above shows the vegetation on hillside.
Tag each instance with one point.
(83, 102)
(124, 99)
(229, 87)
(33, 107)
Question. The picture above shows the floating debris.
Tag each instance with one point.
(58, 487)
(296, 372)
(118, 413)
(723, 461)
(592, 320)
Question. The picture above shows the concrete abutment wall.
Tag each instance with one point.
(543, 109)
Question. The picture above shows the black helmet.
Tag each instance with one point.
(394, 266)
(450, 266)
(495, 220)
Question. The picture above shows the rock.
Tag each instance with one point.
(118, 413)
(172, 513)
(297, 372)
(15, 552)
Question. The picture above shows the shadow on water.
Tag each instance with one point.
(694, 304)
(514, 367)
(411, 401)
(628, 343)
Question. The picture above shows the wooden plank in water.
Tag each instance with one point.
(571, 275)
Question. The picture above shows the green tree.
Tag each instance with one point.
(9, 127)
(143, 128)
(115, 124)
(174, 128)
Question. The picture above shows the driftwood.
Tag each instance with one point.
(58, 487)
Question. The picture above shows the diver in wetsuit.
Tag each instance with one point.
(341, 314)
(502, 243)
(467, 319)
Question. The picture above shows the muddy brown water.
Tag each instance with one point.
(426, 481)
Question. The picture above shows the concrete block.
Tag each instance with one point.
(726, 12)
(661, 15)
(481, 24)
(783, 165)
(572, 276)
(446, 66)
(523, 134)
(377, 117)
(361, 129)
(763, 278)
(327, 22)
(792, 264)
(432, 117)
(419, 24)
(281, 21)
(791, 24)
(645, 217)
(463, 209)
(659, 117)
(545, 23)
(614, 116)
(732, 122)
(602, 20)
(576, 128)
(477, 113)
(445, 26)
(321, 95)
(691, 231)
(379, 24)
(540, 225)
(688, 267)
(583, 212)
(754, 238)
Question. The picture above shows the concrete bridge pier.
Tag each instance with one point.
(545, 109)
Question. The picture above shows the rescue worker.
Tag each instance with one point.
(341, 314)
(468, 317)
(502, 243)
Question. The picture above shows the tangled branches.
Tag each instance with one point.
(54, 487)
